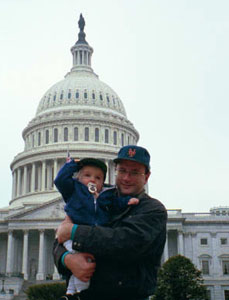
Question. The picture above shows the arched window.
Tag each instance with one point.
(86, 134)
(115, 137)
(39, 139)
(96, 134)
(65, 134)
(101, 97)
(106, 136)
(77, 94)
(55, 140)
(47, 136)
(69, 94)
(122, 139)
(76, 134)
(85, 95)
(61, 95)
(93, 95)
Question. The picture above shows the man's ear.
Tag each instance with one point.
(147, 176)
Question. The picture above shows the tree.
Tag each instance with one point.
(179, 279)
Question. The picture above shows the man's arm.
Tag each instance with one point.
(142, 230)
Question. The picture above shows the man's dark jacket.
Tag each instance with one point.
(127, 253)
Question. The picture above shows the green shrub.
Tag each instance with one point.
(49, 291)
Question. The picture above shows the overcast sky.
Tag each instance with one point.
(168, 60)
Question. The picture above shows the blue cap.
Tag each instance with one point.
(134, 153)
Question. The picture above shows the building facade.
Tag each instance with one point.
(85, 117)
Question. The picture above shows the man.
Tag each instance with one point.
(122, 259)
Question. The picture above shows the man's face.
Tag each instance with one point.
(91, 174)
(131, 177)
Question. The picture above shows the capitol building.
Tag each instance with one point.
(83, 116)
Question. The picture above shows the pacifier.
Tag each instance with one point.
(92, 187)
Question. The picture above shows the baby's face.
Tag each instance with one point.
(91, 174)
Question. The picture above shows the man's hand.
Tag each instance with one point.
(64, 230)
(81, 265)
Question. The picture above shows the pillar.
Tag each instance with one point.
(9, 261)
(180, 243)
(40, 273)
(33, 178)
(56, 275)
(55, 170)
(166, 249)
(108, 172)
(25, 255)
(43, 175)
(18, 182)
(14, 185)
(25, 180)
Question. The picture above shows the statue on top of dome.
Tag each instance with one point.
(81, 22)
(81, 35)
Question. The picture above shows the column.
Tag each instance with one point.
(180, 243)
(14, 185)
(25, 180)
(9, 262)
(33, 178)
(55, 171)
(108, 172)
(166, 249)
(18, 182)
(194, 248)
(55, 275)
(40, 273)
(25, 255)
(43, 175)
(216, 268)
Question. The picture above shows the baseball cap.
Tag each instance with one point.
(93, 162)
(134, 153)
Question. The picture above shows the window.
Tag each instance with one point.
(225, 264)
(85, 95)
(106, 136)
(226, 294)
(208, 294)
(93, 95)
(65, 134)
(54, 98)
(96, 134)
(101, 97)
(76, 137)
(77, 94)
(69, 95)
(128, 140)
(108, 100)
(55, 140)
(205, 267)
(61, 96)
(46, 136)
(86, 134)
(122, 137)
(115, 137)
(223, 241)
(39, 138)
(203, 241)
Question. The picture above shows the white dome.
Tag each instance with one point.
(80, 88)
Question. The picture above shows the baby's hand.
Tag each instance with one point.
(133, 201)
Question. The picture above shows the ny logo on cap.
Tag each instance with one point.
(131, 152)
